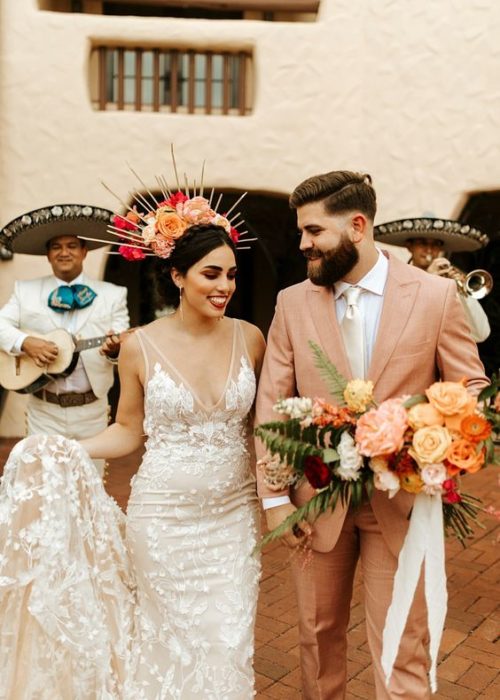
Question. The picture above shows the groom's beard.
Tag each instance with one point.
(333, 265)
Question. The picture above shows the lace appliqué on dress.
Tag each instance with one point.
(66, 591)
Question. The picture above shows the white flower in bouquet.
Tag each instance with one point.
(433, 476)
(295, 407)
(386, 481)
(350, 459)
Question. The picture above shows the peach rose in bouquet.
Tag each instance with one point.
(423, 415)
(430, 444)
(452, 400)
(449, 398)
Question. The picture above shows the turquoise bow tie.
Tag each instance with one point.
(66, 297)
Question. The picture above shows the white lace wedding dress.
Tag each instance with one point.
(156, 605)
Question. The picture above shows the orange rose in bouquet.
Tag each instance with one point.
(464, 455)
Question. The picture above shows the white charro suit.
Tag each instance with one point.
(423, 336)
(27, 309)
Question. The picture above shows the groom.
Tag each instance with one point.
(402, 328)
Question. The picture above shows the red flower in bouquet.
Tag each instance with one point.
(317, 472)
(402, 463)
(450, 493)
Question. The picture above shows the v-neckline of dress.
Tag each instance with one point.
(187, 384)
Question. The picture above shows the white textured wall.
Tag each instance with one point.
(408, 91)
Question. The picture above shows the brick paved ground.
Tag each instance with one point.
(470, 663)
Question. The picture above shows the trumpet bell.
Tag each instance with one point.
(478, 283)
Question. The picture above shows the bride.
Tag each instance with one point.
(160, 604)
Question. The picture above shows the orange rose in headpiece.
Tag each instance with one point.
(170, 225)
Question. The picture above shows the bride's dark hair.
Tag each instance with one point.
(197, 242)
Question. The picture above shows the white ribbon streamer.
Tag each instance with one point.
(424, 543)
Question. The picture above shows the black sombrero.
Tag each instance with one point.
(30, 233)
(457, 237)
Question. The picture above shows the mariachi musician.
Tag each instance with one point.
(75, 406)
(429, 241)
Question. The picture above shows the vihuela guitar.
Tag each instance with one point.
(20, 373)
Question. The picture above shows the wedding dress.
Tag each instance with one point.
(159, 604)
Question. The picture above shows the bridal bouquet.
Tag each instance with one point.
(421, 444)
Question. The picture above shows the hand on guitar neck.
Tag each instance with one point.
(111, 346)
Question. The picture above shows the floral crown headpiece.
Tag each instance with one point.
(154, 226)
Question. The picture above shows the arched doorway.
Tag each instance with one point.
(272, 262)
(482, 210)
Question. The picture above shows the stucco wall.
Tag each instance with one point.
(406, 91)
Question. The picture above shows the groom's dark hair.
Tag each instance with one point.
(197, 242)
(340, 191)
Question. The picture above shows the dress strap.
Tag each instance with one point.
(141, 336)
(242, 341)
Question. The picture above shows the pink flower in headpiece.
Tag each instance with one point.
(219, 220)
(131, 253)
(196, 211)
(234, 234)
(161, 246)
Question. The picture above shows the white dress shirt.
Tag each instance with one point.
(370, 305)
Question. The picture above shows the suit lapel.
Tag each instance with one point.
(322, 307)
(48, 285)
(399, 299)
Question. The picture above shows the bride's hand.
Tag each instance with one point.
(294, 537)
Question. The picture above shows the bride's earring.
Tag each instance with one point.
(180, 304)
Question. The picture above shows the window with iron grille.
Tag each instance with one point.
(171, 80)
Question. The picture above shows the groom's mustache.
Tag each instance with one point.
(312, 255)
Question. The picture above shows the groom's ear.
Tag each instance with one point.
(359, 224)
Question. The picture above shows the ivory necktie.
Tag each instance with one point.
(353, 333)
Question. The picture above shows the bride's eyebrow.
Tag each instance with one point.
(217, 268)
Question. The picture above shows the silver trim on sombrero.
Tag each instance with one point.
(58, 213)
(457, 236)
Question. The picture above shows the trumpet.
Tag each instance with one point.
(476, 283)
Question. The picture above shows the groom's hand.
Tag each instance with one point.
(294, 537)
